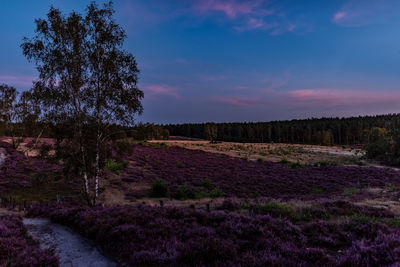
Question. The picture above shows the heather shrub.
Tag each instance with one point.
(170, 236)
(350, 191)
(159, 188)
(40, 178)
(238, 178)
(275, 209)
(17, 248)
(230, 204)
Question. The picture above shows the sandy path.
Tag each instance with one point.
(70, 247)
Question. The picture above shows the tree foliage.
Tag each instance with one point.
(18, 113)
(87, 83)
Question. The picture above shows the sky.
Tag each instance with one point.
(235, 61)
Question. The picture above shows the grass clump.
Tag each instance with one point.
(159, 188)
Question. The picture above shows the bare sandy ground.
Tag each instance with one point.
(304, 154)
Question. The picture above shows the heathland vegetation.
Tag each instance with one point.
(71, 152)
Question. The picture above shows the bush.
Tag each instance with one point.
(283, 160)
(44, 151)
(216, 192)
(206, 183)
(294, 165)
(116, 167)
(185, 192)
(159, 188)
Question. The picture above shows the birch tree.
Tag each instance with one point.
(87, 82)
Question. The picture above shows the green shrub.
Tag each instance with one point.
(216, 192)
(283, 160)
(116, 167)
(201, 194)
(206, 183)
(260, 160)
(185, 192)
(294, 165)
(159, 188)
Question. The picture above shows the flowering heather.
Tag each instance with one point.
(17, 248)
(32, 178)
(153, 236)
(241, 178)
(18, 169)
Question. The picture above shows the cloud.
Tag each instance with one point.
(332, 98)
(154, 90)
(17, 81)
(250, 15)
(360, 13)
(230, 8)
(240, 101)
(337, 100)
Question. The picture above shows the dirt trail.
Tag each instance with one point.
(335, 151)
(71, 248)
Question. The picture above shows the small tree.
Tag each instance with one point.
(17, 113)
(8, 101)
(210, 131)
(87, 83)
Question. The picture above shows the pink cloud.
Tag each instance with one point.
(341, 97)
(161, 89)
(355, 13)
(17, 81)
(338, 16)
(240, 101)
(230, 8)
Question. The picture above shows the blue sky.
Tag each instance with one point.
(231, 60)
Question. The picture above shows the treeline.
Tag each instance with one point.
(33, 128)
(323, 131)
